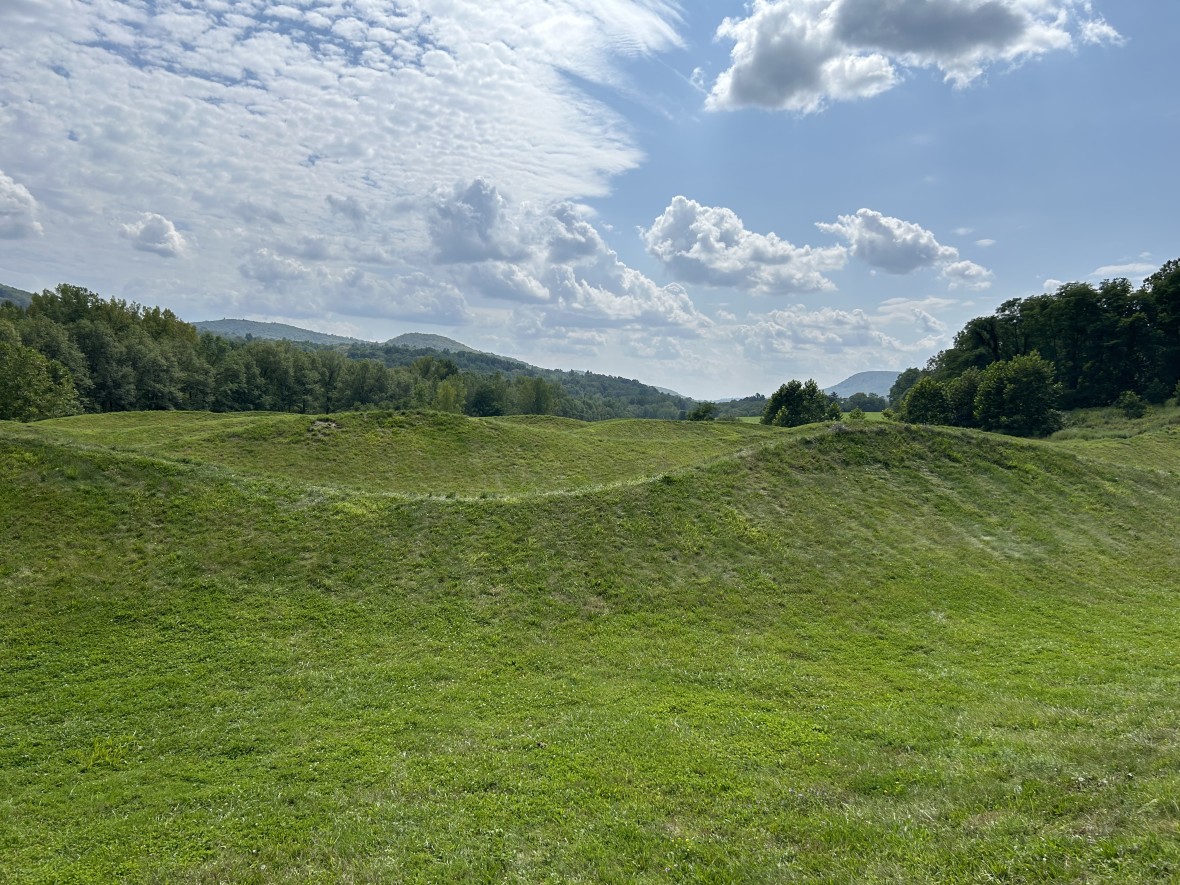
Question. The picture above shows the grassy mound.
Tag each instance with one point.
(407, 453)
(873, 654)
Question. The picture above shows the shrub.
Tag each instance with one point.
(1131, 404)
(926, 403)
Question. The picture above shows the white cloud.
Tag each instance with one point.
(414, 296)
(551, 256)
(915, 313)
(295, 140)
(1099, 31)
(711, 246)
(1052, 285)
(349, 207)
(889, 244)
(507, 281)
(472, 224)
(895, 246)
(612, 295)
(18, 211)
(967, 275)
(985, 243)
(800, 55)
(271, 269)
(1131, 270)
(828, 330)
(155, 233)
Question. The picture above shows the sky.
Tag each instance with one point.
(712, 197)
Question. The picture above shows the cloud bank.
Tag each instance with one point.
(800, 55)
(18, 211)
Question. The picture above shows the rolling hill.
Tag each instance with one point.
(19, 297)
(269, 332)
(422, 648)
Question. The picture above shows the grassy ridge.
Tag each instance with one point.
(417, 454)
(889, 654)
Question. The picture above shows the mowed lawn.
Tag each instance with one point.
(265, 649)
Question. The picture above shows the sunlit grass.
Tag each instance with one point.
(869, 654)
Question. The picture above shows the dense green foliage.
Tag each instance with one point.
(32, 386)
(1080, 346)
(797, 403)
(866, 402)
(1017, 396)
(705, 411)
(877, 655)
(746, 407)
(586, 395)
(122, 356)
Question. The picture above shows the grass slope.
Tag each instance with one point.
(888, 654)
(415, 453)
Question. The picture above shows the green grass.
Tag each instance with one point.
(414, 453)
(881, 654)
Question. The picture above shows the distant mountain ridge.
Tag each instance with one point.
(19, 297)
(228, 328)
(864, 382)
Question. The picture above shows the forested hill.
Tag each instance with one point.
(603, 396)
(432, 342)
(251, 329)
(18, 297)
(70, 350)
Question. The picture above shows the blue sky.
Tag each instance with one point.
(712, 197)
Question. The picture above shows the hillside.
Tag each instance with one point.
(269, 332)
(19, 297)
(421, 340)
(877, 654)
(864, 382)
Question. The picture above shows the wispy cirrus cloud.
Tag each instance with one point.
(301, 141)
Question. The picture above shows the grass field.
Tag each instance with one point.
(266, 648)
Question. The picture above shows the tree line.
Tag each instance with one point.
(1078, 347)
(69, 350)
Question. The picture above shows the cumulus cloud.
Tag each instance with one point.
(572, 237)
(507, 281)
(18, 211)
(800, 55)
(472, 224)
(155, 233)
(900, 247)
(271, 269)
(711, 246)
(552, 256)
(967, 275)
